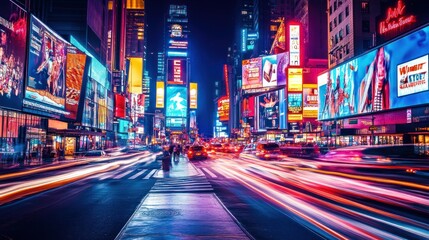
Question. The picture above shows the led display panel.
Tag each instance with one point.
(160, 93)
(269, 110)
(310, 100)
(392, 76)
(75, 72)
(251, 70)
(177, 102)
(193, 95)
(294, 106)
(46, 90)
(13, 40)
(176, 71)
(223, 108)
(295, 45)
(274, 70)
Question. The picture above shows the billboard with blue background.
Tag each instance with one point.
(177, 102)
(391, 76)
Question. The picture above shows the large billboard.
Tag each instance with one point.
(75, 79)
(295, 45)
(176, 71)
(193, 95)
(160, 93)
(13, 40)
(223, 108)
(269, 110)
(294, 106)
(310, 103)
(274, 70)
(177, 102)
(46, 90)
(390, 77)
(252, 70)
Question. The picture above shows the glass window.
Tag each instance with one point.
(365, 26)
(347, 11)
(347, 29)
(340, 18)
(330, 26)
(335, 22)
(341, 34)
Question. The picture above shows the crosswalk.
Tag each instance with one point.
(183, 184)
(145, 174)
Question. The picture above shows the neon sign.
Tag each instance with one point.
(396, 19)
(177, 71)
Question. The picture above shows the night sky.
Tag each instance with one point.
(211, 25)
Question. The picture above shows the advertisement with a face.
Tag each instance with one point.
(176, 71)
(269, 110)
(252, 71)
(76, 63)
(13, 40)
(46, 69)
(177, 102)
(390, 77)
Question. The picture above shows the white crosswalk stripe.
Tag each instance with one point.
(123, 174)
(138, 174)
(209, 173)
(150, 174)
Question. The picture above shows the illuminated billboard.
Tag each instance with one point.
(295, 44)
(160, 94)
(177, 102)
(46, 89)
(252, 69)
(389, 77)
(193, 95)
(223, 108)
(13, 41)
(294, 80)
(269, 110)
(176, 71)
(193, 119)
(294, 106)
(120, 106)
(274, 70)
(75, 78)
(310, 100)
(135, 75)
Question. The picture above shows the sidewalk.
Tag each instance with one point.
(182, 205)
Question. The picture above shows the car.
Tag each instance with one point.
(267, 150)
(375, 154)
(197, 152)
(250, 148)
(216, 147)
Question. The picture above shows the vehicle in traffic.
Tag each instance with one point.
(267, 150)
(250, 148)
(197, 152)
(216, 147)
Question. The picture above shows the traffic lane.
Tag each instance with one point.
(48, 180)
(330, 210)
(87, 209)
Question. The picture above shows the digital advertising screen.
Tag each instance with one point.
(274, 70)
(75, 79)
(223, 108)
(172, 122)
(269, 110)
(176, 71)
(160, 92)
(310, 100)
(193, 119)
(295, 44)
(13, 40)
(120, 106)
(294, 106)
(177, 102)
(392, 76)
(193, 95)
(252, 70)
(46, 88)
(294, 80)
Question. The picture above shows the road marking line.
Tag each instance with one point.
(138, 174)
(149, 175)
(209, 172)
(123, 174)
